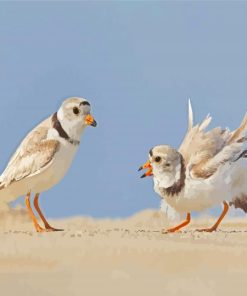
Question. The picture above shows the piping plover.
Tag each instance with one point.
(45, 155)
(208, 169)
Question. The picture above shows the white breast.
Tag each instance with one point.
(57, 170)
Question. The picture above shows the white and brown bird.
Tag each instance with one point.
(209, 168)
(45, 155)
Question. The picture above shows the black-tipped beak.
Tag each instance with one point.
(89, 120)
(148, 166)
(94, 123)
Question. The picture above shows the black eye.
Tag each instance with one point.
(157, 159)
(76, 110)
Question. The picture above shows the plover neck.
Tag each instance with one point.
(178, 186)
(56, 124)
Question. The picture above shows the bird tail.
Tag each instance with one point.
(240, 202)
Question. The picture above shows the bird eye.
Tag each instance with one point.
(76, 110)
(157, 159)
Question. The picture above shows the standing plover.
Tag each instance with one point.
(208, 169)
(45, 155)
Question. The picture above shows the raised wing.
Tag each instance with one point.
(33, 155)
(203, 151)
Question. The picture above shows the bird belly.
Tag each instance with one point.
(56, 171)
(201, 194)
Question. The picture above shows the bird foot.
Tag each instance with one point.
(51, 229)
(47, 229)
(171, 230)
(212, 229)
(39, 228)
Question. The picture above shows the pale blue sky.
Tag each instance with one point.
(137, 63)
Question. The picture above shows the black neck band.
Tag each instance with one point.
(62, 133)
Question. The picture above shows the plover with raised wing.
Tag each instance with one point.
(209, 168)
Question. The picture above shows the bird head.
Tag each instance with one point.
(164, 164)
(74, 115)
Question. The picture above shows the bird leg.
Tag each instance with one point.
(174, 229)
(47, 225)
(215, 226)
(31, 214)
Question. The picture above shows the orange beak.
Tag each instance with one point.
(148, 166)
(89, 120)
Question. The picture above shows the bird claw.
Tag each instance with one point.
(50, 229)
(206, 230)
(47, 229)
(40, 229)
(171, 230)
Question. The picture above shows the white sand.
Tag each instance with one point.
(121, 257)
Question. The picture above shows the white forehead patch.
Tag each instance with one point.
(85, 109)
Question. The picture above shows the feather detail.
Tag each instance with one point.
(190, 116)
(207, 168)
(239, 132)
(34, 154)
(205, 123)
(204, 152)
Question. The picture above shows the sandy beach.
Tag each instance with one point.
(121, 257)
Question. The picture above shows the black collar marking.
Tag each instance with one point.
(62, 133)
(177, 187)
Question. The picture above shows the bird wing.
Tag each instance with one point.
(204, 152)
(34, 154)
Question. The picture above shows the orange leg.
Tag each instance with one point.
(47, 225)
(215, 226)
(174, 229)
(30, 211)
